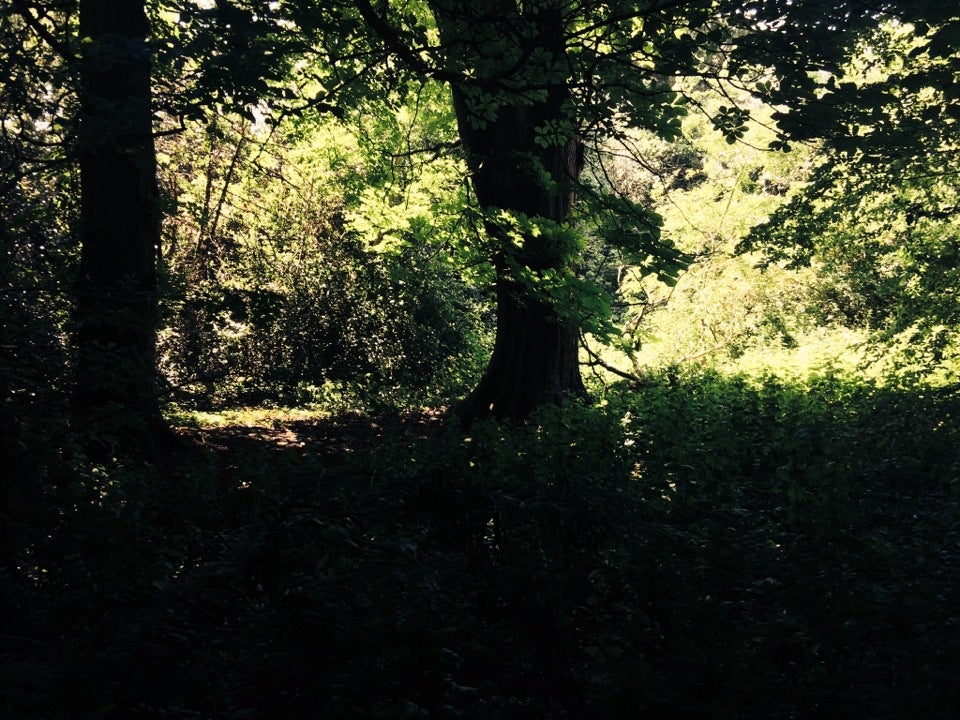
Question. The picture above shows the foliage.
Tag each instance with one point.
(385, 64)
(707, 195)
(697, 545)
(852, 242)
(38, 259)
(882, 244)
(878, 222)
(282, 289)
(531, 82)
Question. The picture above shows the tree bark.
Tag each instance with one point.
(115, 403)
(535, 355)
(534, 361)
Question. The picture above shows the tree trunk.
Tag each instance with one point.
(534, 361)
(535, 356)
(115, 403)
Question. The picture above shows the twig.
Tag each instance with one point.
(606, 366)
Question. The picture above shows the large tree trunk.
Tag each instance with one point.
(534, 360)
(535, 356)
(116, 402)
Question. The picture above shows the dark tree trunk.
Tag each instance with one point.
(115, 403)
(534, 361)
(535, 356)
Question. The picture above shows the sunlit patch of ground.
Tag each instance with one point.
(251, 417)
(311, 430)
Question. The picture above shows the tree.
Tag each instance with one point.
(879, 216)
(116, 383)
(536, 82)
(524, 161)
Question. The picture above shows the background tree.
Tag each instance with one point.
(38, 210)
(878, 218)
(320, 261)
(709, 194)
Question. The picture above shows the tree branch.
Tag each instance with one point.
(61, 48)
(596, 360)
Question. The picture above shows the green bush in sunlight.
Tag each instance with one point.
(301, 268)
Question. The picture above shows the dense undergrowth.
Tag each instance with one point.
(699, 546)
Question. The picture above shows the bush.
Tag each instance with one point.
(394, 328)
(698, 546)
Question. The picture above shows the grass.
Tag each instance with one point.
(700, 546)
(244, 416)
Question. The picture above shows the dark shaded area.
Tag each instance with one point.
(116, 391)
(697, 547)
